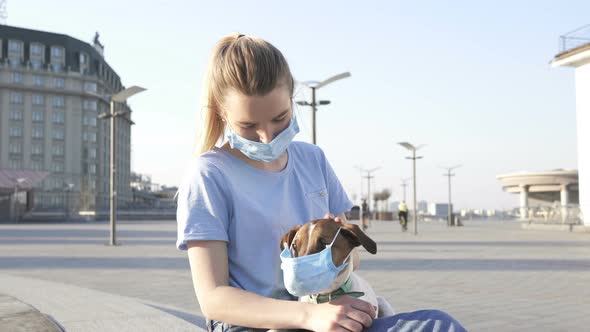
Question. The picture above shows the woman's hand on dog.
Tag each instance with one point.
(336, 219)
(342, 314)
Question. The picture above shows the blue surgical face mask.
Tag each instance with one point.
(264, 151)
(310, 274)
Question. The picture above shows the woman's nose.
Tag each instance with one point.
(265, 135)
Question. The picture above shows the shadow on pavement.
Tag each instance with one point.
(191, 318)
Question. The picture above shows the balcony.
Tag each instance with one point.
(574, 40)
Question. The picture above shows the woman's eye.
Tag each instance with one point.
(279, 120)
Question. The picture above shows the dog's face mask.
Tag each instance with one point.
(310, 259)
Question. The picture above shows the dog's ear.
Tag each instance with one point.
(288, 238)
(357, 237)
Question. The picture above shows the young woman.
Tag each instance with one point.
(249, 186)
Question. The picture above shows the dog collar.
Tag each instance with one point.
(343, 290)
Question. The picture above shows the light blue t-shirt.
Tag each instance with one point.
(223, 198)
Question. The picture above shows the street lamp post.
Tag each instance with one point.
(368, 177)
(360, 193)
(314, 85)
(68, 187)
(404, 185)
(15, 199)
(119, 97)
(449, 174)
(413, 149)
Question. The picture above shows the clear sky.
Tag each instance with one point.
(470, 79)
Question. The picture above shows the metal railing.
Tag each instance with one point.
(570, 214)
(574, 39)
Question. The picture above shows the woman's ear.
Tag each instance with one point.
(288, 238)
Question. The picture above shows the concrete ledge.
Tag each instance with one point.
(16, 316)
(556, 227)
(82, 309)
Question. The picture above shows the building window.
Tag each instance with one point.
(90, 120)
(92, 153)
(56, 201)
(57, 51)
(36, 64)
(15, 46)
(88, 104)
(37, 50)
(38, 80)
(57, 166)
(92, 168)
(16, 98)
(58, 150)
(84, 63)
(16, 147)
(15, 52)
(58, 117)
(16, 114)
(37, 165)
(37, 132)
(15, 163)
(57, 58)
(59, 101)
(58, 134)
(16, 78)
(15, 131)
(37, 116)
(90, 86)
(37, 149)
(59, 83)
(89, 137)
(38, 100)
(37, 55)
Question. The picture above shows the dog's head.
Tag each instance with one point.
(313, 237)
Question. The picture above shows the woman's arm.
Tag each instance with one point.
(219, 301)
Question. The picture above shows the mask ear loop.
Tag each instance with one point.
(334, 240)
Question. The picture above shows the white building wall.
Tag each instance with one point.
(583, 132)
(438, 209)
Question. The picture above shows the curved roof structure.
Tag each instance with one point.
(544, 186)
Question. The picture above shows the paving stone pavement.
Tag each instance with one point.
(489, 275)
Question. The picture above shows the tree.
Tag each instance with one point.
(379, 196)
(385, 195)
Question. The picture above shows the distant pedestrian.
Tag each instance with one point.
(403, 215)
(366, 215)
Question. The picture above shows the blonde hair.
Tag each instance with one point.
(248, 65)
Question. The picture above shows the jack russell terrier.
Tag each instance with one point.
(315, 236)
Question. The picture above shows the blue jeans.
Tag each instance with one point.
(416, 321)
